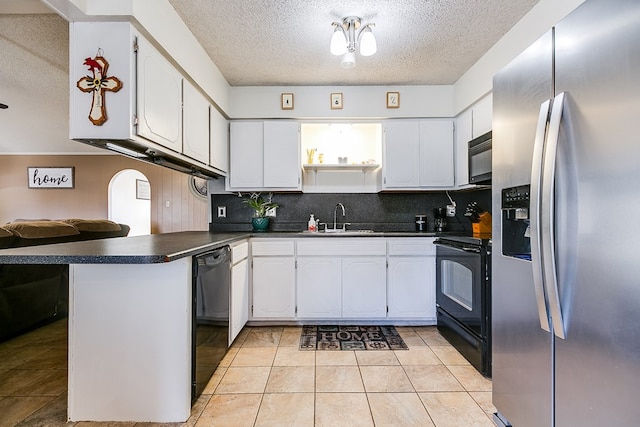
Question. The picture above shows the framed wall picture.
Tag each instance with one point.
(393, 99)
(143, 190)
(336, 101)
(46, 177)
(286, 101)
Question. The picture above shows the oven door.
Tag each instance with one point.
(459, 281)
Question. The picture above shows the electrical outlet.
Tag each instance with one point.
(271, 212)
(222, 211)
(167, 203)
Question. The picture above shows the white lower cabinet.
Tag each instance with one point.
(273, 287)
(333, 283)
(239, 289)
(273, 279)
(411, 289)
(411, 279)
(344, 278)
(319, 290)
(364, 287)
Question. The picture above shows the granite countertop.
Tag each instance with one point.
(150, 249)
(157, 248)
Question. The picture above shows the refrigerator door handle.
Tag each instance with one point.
(534, 221)
(547, 215)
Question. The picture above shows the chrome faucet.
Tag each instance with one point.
(335, 215)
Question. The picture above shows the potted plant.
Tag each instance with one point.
(260, 206)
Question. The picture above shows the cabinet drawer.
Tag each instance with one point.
(239, 252)
(272, 247)
(340, 246)
(412, 246)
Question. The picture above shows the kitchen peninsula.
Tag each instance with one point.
(129, 322)
(130, 310)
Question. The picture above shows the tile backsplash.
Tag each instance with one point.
(377, 211)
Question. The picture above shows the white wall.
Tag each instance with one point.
(159, 20)
(124, 205)
(478, 80)
(358, 101)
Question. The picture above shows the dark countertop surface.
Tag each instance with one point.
(157, 248)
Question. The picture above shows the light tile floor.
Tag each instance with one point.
(266, 381)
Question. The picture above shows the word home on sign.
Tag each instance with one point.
(46, 177)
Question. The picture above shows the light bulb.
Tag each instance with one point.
(348, 60)
(338, 42)
(367, 42)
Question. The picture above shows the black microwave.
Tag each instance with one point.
(480, 159)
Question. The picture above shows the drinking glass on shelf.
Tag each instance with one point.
(311, 152)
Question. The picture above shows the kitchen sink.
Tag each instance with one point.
(341, 232)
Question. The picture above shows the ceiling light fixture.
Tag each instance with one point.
(349, 35)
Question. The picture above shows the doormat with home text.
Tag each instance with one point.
(351, 338)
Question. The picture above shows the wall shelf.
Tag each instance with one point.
(339, 167)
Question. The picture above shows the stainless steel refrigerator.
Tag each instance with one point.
(566, 203)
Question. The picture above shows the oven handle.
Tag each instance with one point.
(534, 224)
(460, 248)
(470, 249)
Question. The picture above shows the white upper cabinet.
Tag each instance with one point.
(264, 156)
(464, 123)
(436, 153)
(418, 154)
(482, 116)
(470, 124)
(159, 98)
(282, 154)
(400, 160)
(116, 40)
(246, 155)
(219, 140)
(151, 112)
(196, 124)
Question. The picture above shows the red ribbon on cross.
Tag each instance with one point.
(98, 84)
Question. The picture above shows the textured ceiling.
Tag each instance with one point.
(253, 42)
(286, 42)
(34, 82)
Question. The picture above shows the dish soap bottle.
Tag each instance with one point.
(312, 224)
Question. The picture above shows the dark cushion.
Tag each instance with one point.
(6, 238)
(41, 229)
(93, 224)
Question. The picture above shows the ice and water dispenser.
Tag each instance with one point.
(515, 222)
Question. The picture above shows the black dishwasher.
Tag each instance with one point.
(211, 284)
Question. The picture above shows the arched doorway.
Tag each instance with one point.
(130, 201)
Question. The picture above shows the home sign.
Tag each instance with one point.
(50, 177)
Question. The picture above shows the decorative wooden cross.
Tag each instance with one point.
(98, 84)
